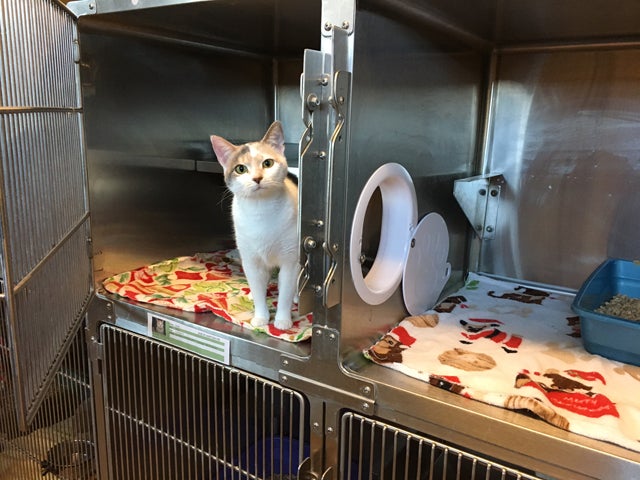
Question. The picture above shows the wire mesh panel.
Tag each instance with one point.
(373, 450)
(173, 415)
(37, 59)
(60, 439)
(44, 226)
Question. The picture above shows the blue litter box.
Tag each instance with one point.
(612, 337)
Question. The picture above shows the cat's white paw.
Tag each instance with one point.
(283, 323)
(259, 321)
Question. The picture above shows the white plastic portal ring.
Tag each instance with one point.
(399, 217)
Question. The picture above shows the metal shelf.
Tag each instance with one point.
(253, 352)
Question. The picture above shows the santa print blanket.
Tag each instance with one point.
(519, 348)
(206, 282)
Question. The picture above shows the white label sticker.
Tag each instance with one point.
(189, 338)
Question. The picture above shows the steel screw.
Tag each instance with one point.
(366, 390)
(482, 191)
(310, 243)
(313, 101)
(328, 26)
(345, 25)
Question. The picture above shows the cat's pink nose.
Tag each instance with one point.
(257, 179)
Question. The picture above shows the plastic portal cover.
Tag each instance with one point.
(426, 269)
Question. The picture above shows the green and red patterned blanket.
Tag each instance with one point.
(206, 282)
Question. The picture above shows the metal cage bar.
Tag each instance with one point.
(373, 450)
(44, 226)
(60, 439)
(171, 414)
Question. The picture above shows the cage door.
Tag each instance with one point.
(45, 260)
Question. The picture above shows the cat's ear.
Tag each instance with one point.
(223, 149)
(275, 137)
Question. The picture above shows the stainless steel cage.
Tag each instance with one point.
(44, 227)
(371, 449)
(171, 414)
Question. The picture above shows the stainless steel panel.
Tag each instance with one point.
(156, 98)
(508, 23)
(565, 135)
(416, 101)
(575, 21)
(373, 449)
(265, 26)
(174, 415)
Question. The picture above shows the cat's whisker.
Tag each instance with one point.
(225, 196)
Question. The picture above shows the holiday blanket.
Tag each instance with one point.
(519, 348)
(206, 282)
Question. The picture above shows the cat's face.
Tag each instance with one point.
(253, 169)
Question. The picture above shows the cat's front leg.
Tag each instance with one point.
(287, 290)
(258, 277)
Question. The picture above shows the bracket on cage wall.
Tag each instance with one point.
(479, 198)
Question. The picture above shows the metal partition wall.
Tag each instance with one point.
(566, 139)
(173, 415)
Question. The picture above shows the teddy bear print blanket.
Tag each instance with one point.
(518, 348)
(206, 282)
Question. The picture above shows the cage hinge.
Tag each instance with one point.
(314, 92)
(479, 198)
(98, 312)
(325, 377)
(96, 349)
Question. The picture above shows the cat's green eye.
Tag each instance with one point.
(240, 169)
(267, 163)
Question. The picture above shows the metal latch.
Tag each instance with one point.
(479, 198)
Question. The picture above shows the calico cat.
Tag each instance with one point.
(265, 212)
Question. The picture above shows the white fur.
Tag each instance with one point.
(265, 213)
(267, 237)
